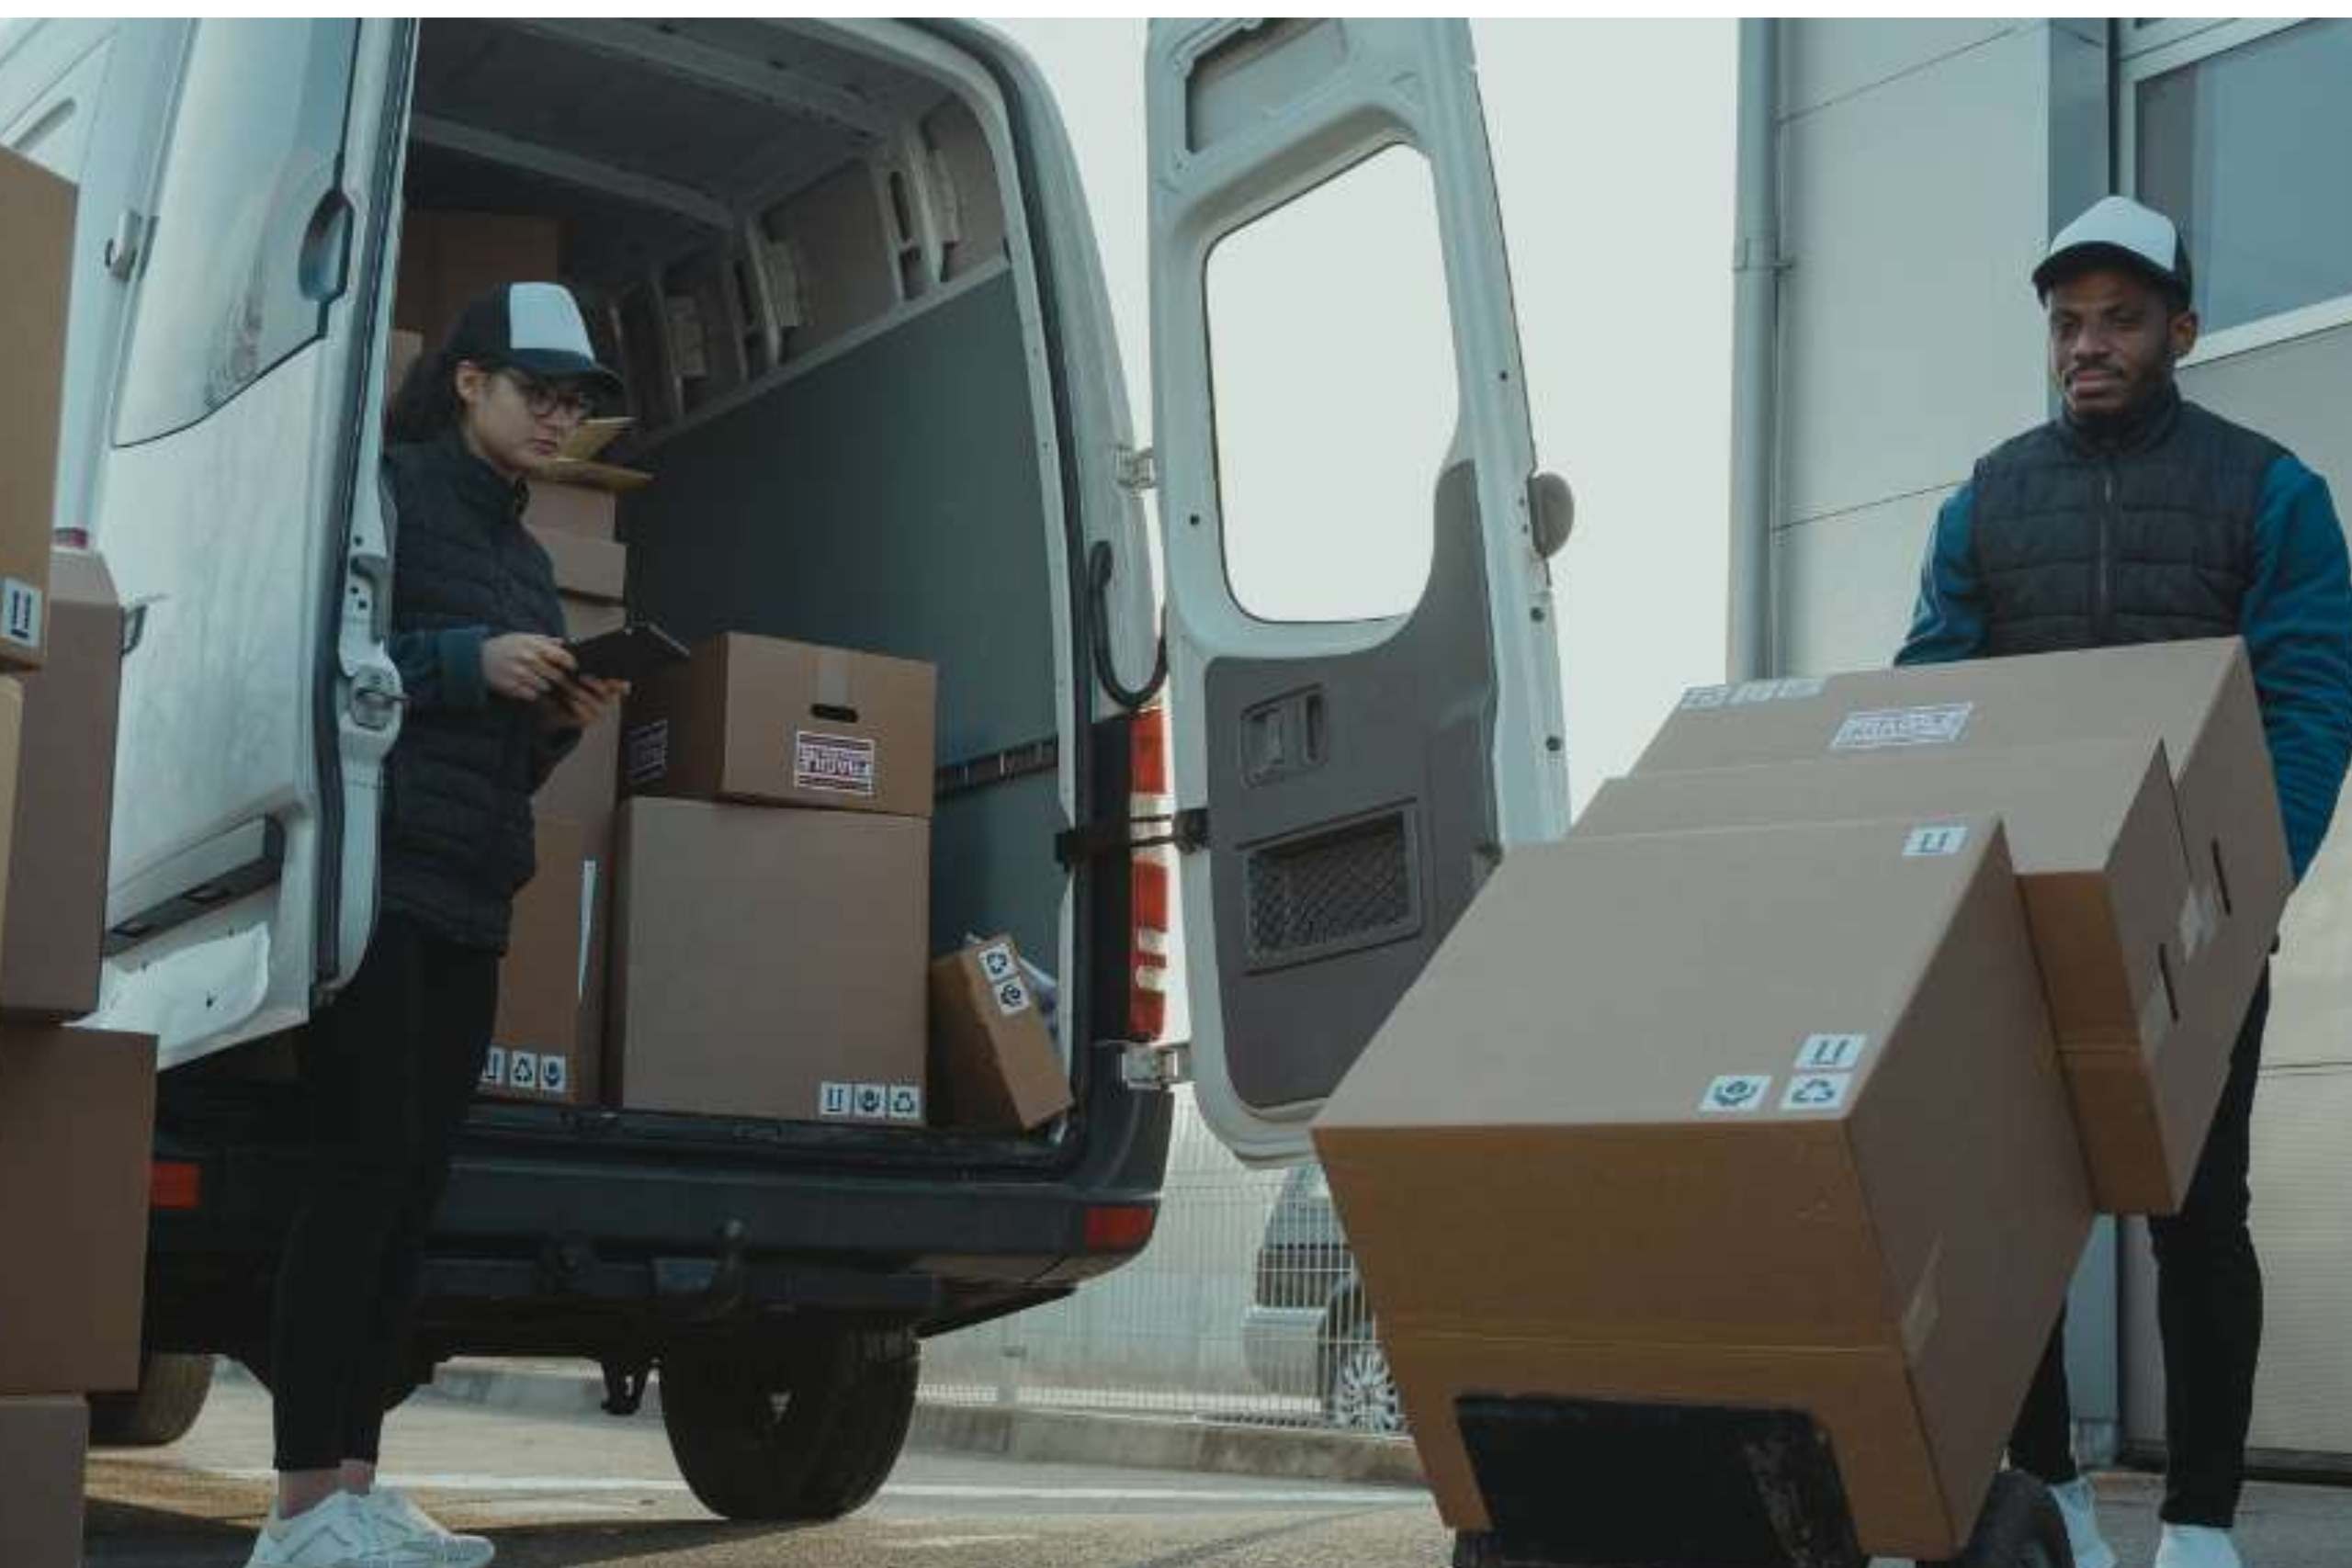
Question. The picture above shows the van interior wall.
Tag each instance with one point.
(888, 500)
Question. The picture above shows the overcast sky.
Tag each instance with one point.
(1612, 145)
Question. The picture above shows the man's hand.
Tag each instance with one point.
(582, 700)
(523, 667)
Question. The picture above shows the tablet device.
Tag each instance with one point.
(632, 652)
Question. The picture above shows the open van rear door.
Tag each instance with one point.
(1363, 676)
(235, 506)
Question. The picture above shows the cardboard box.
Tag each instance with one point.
(759, 719)
(402, 351)
(44, 1448)
(559, 508)
(78, 1120)
(2095, 833)
(770, 963)
(542, 1047)
(993, 1063)
(54, 931)
(585, 567)
(2197, 697)
(449, 258)
(1761, 1117)
(36, 248)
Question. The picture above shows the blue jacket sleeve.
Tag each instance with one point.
(2297, 622)
(442, 669)
(1948, 623)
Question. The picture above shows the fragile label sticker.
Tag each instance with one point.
(906, 1102)
(493, 1067)
(20, 607)
(1005, 981)
(1938, 724)
(837, 764)
(1937, 839)
(649, 751)
(1817, 1091)
(1831, 1052)
(1735, 1093)
(834, 1099)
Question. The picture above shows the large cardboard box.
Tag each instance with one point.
(2095, 833)
(1761, 1117)
(585, 567)
(36, 248)
(542, 1047)
(770, 963)
(78, 1120)
(2197, 697)
(586, 783)
(581, 510)
(753, 718)
(44, 1447)
(54, 931)
(993, 1064)
(448, 258)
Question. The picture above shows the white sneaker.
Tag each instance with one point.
(2078, 1504)
(341, 1532)
(2196, 1546)
(403, 1522)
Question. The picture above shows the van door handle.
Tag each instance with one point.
(325, 262)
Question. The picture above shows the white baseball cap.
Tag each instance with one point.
(2118, 230)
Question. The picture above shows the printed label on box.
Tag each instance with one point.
(1796, 688)
(1006, 980)
(834, 1101)
(1941, 838)
(523, 1070)
(555, 1074)
(837, 764)
(1749, 691)
(493, 1067)
(906, 1102)
(649, 751)
(20, 607)
(1831, 1052)
(1700, 698)
(873, 1101)
(1735, 1093)
(1816, 1091)
(1939, 724)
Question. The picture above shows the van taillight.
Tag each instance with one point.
(175, 1184)
(1120, 1227)
(1151, 873)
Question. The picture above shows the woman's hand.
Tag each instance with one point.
(582, 700)
(523, 667)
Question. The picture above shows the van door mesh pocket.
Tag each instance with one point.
(1331, 889)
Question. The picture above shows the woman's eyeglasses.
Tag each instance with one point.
(545, 397)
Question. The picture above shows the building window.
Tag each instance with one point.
(2238, 134)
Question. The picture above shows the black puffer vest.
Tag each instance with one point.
(2143, 536)
(458, 832)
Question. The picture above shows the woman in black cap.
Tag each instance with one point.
(492, 703)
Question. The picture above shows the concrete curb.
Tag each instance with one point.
(1045, 1436)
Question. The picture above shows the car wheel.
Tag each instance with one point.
(1358, 1393)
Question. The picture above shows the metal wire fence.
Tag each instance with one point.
(1244, 1308)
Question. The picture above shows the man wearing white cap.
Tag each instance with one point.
(2134, 516)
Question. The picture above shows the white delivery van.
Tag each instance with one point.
(849, 273)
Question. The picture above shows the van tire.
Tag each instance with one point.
(812, 1440)
(170, 1396)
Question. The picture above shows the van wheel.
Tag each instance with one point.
(170, 1396)
(811, 1440)
(2021, 1528)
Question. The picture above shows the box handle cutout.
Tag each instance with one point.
(834, 713)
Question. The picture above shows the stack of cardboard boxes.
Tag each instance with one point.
(76, 1106)
(1793, 1078)
(774, 881)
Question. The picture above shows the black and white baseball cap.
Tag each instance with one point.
(2118, 231)
(534, 327)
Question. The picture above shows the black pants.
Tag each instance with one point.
(387, 1071)
(2209, 1309)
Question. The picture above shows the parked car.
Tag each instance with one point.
(1309, 1325)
